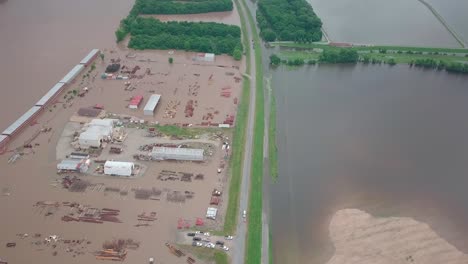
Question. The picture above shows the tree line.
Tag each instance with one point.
(179, 7)
(188, 7)
(210, 37)
(456, 67)
(288, 20)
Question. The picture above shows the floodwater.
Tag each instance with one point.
(392, 141)
(42, 40)
(398, 22)
(228, 17)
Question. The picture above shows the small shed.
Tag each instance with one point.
(119, 168)
(135, 102)
(209, 57)
(211, 213)
(214, 200)
(164, 153)
(151, 105)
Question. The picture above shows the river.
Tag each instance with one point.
(392, 141)
(42, 40)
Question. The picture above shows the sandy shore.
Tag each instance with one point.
(361, 238)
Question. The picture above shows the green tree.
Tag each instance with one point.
(120, 34)
(237, 54)
(171, 60)
(275, 60)
(102, 56)
(269, 35)
(391, 62)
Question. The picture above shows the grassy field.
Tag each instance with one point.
(238, 143)
(207, 254)
(398, 57)
(272, 149)
(184, 132)
(395, 48)
(254, 235)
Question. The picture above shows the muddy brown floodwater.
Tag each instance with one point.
(391, 141)
(42, 40)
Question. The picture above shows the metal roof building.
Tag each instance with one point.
(91, 55)
(135, 102)
(163, 153)
(151, 105)
(211, 213)
(22, 121)
(119, 168)
(3, 141)
(50, 94)
(74, 165)
(72, 74)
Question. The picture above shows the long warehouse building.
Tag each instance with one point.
(90, 57)
(51, 94)
(150, 106)
(14, 128)
(71, 75)
(163, 153)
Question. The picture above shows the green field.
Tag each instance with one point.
(358, 48)
(254, 236)
(272, 149)
(397, 57)
(238, 143)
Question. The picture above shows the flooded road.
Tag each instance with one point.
(391, 141)
(397, 22)
(42, 40)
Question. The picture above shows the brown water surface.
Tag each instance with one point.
(392, 141)
(42, 40)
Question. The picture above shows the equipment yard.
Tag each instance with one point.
(94, 177)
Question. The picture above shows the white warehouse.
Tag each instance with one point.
(163, 153)
(98, 130)
(151, 105)
(119, 168)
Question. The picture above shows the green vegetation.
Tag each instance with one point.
(272, 148)
(372, 48)
(237, 54)
(254, 236)
(171, 60)
(238, 143)
(221, 257)
(452, 62)
(275, 60)
(183, 132)
(292, 20)
(207, 254)
(339, 56)
(150, 33)
(182, 7)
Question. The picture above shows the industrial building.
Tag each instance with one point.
(89, 111)
(163, 153)
(135, 102)
(71, 75)
(22, 121)
(3, 142)
(211, 213)
(151, 105)
(78, 155)
(74, 165)
(119, 168)
(90, 57)
(51, 94)
(98, 131)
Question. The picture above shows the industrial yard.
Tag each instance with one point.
(89, 175)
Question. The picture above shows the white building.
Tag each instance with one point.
(163, 153)
(119, 168)
(98, 131)
(151, 105)
(211, 213)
